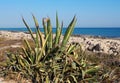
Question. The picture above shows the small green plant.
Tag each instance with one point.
(51, 60)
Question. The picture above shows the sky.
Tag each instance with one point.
(89, 13)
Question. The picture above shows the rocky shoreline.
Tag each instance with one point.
(90, 43)
(98, 44)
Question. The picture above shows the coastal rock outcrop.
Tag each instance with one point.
(95, 48)
(99, 45)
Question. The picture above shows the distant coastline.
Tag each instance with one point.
(109, 32)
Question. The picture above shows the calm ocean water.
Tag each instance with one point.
(104, 32)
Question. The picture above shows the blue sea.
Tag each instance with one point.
(103, 32)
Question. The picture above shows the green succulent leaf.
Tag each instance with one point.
(58, 31)
(68, 33)
(92, 70)
(50, 39)
(44, 21)
(38, 31)
(31, 33)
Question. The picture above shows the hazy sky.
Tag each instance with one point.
(90, 13)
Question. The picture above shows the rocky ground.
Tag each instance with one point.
(98, 44)
(90, 43)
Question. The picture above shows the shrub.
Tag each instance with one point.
(51, 60)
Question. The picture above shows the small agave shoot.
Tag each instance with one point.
(52, 61)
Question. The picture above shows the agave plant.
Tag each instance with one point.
(51, 60)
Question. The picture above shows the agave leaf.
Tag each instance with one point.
(30, 57)
(71, 48)
(68, 81)
(37, 45)
(75, 60)
(21, 62)
(38, 30)
(11, 57)
(57, 31)
(60, 32)
(37, 41)
(56, 80)
(19, 67)
(74, 78)
(68, 33)
(92, 70)
(43, 48)
(49, 28)
(28, 45)
(36, 22)
(45, 27)
(47, 80)
(26, 63)
(36, 54)
(31, 33)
